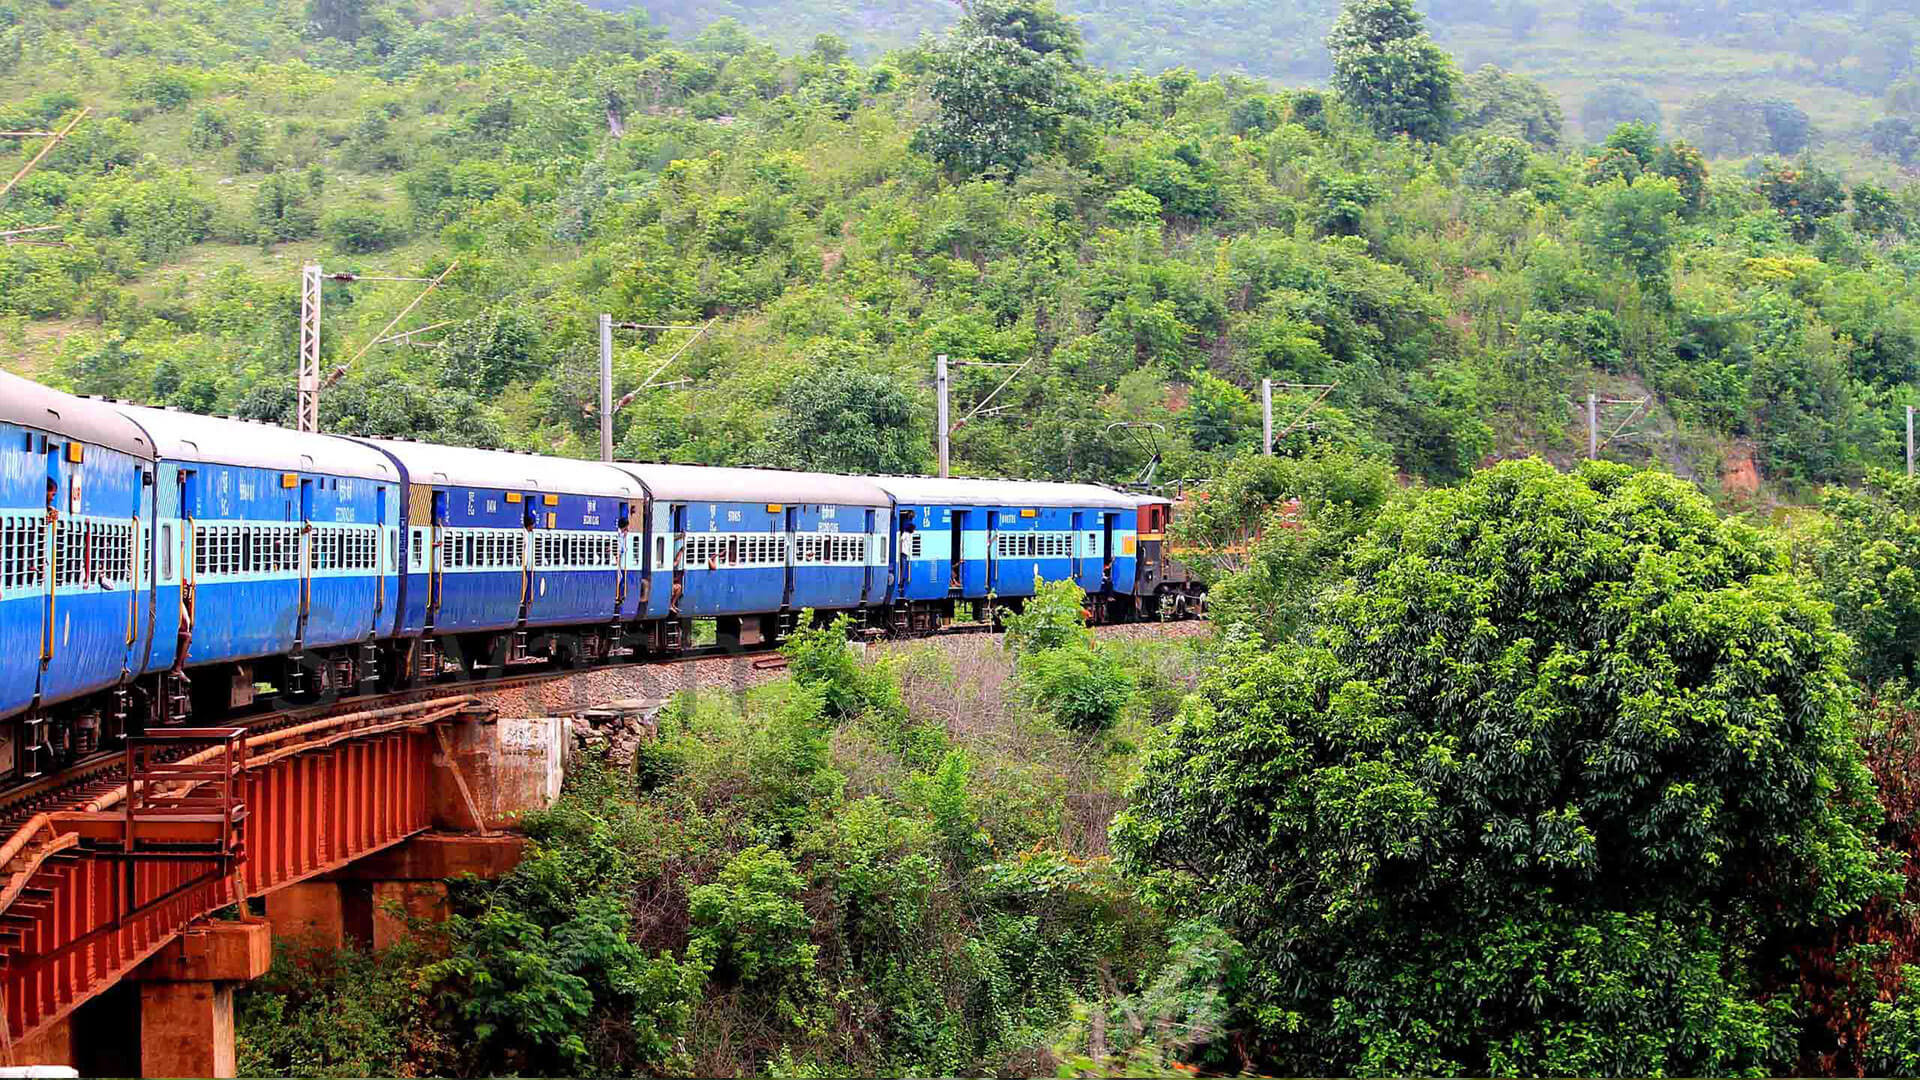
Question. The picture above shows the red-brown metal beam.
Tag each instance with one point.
(87, 915)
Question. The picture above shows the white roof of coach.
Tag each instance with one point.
(431, 463)
(185, 436)
(27, 403)
(971, 491)
(720, 483)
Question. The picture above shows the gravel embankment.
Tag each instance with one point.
(735, 674)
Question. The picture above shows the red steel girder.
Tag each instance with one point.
(90, 913)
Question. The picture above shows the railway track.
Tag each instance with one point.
(99, 773)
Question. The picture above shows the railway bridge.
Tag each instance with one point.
(138, 891)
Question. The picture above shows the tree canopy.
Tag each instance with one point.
(1387, 67)
(1556, 736)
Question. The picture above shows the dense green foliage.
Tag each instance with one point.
(910, 881)
(1062, 670)
(1567, 764)
(1391, 72)
(1154, 245)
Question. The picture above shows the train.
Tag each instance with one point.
(159, 566)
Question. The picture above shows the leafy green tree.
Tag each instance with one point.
(1633, 223)
(1613, 104)
(342, 19)
(1005, 82)
(1804, 195)
(846, 420)
(283, 209)
(1498, 164)
(750, 924)
(1502, 103)
(484, 354)
(1789, 129)
(1495, 793)
(167, 90)
(1865, 553)
(1685, 166)
(1897, 137)
(1728, 123)
(1386, 66)
(1311, 510)
(1638, 138)
(1876, 212)
(1062, 671)
(360, 230)
(1082, 686)
(1219, 414)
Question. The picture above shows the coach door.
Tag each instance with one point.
(679, 542)
(532, 519)
(379, 575)
(625, 543)
(189, 559)
(956, 556)
(1079, 547)
(903, 551)
(306, 560)
(140, 546)
(436, 556)
(867, 558)
(1106, 549)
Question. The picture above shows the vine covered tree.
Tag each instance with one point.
(1570, 759)
(1386, 66)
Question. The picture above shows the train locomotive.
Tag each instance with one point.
(157, 566)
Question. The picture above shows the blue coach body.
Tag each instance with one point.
(287, 541)
(498, 541)
(75, 506)
(963, 538)
(727, 541)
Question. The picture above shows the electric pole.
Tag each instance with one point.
(608, 406)
(1593, 426)
(940, 385)
(1909, 440)
(309, 393)
(307, 402)
(1266, 416)
(53, 139)
(606, 387)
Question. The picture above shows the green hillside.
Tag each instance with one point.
(1847, 63)
(1154, 246)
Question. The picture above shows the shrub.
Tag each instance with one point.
(1082, 686)
(1054, 616)
(750, 925)
(361, 230)
(168, 90)
(820, 660)
(343, 1012)
(281, 210)
(789, 763)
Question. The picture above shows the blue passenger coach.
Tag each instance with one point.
(75, 584)
(287, 548)
(501, 546)
(963, 539)
(753, 547)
